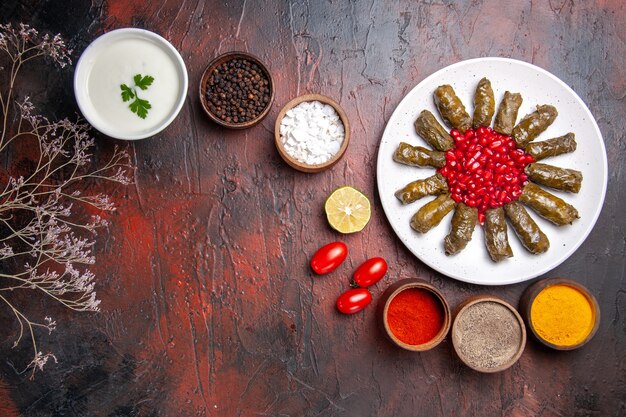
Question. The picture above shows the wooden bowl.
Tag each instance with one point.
(206, 75)
(531, 293)
(397, 288)
(294, 163)
(462, 308)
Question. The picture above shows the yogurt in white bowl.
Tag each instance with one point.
(130, 83)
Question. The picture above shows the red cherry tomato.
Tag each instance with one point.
(370, 272)
(354, 300)
(329, 257)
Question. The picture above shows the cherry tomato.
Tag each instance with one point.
(354, 300)
(329, 257)
(370, 272)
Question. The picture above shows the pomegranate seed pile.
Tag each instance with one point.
(484, 169)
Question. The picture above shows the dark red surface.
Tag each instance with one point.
(209, 306)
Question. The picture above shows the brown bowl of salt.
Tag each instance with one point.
(311, 133)
(488, 334)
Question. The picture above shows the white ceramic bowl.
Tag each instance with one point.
(114, 59)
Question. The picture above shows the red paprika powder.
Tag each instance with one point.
(415, 316)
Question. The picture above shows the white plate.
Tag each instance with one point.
(113, 59)
(536, 86)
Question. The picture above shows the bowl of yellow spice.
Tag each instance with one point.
(560, 313)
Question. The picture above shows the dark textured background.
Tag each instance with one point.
(208, 305)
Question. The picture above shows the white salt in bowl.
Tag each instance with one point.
(293, 162)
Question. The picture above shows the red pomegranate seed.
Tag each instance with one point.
(495, 144)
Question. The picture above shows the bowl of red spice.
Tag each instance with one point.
(236, 90)
(415, 314)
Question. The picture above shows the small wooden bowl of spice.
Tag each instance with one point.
(312, 133)
(488, 334)
(560, 313)
(236, 90)
(414, 314)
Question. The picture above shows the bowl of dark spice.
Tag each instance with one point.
(488, 334)
(236, 90)
(415, 314)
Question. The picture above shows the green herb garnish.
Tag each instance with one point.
(138, 106)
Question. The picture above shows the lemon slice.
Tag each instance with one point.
(347, 210)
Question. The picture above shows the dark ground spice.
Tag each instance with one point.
(488, 335)
(238, 91)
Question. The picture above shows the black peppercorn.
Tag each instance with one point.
(238, 90)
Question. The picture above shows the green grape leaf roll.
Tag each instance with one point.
(563, 179)
(413, 191)
(496, 236)
(484, 104)
(418, 156)
(526, 229)
(462, 227)
(451, 108)
(507, 113)
(429, 129)
(533, 124)
(547, 205)
(431, 214)
(552, 147)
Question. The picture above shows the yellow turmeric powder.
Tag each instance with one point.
(562, 315)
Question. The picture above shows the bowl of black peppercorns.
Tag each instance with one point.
(236, 90)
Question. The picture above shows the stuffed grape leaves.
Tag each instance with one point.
(552, 147)
(432, 132)
(484, 104)
(533, 124)
(463, 224)
(507, 113)
(563, 179)
(547, 205)
(418, 156)
(526, 229)
(496, 237)
(451, 108)
(431, 214)
(413, 191)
